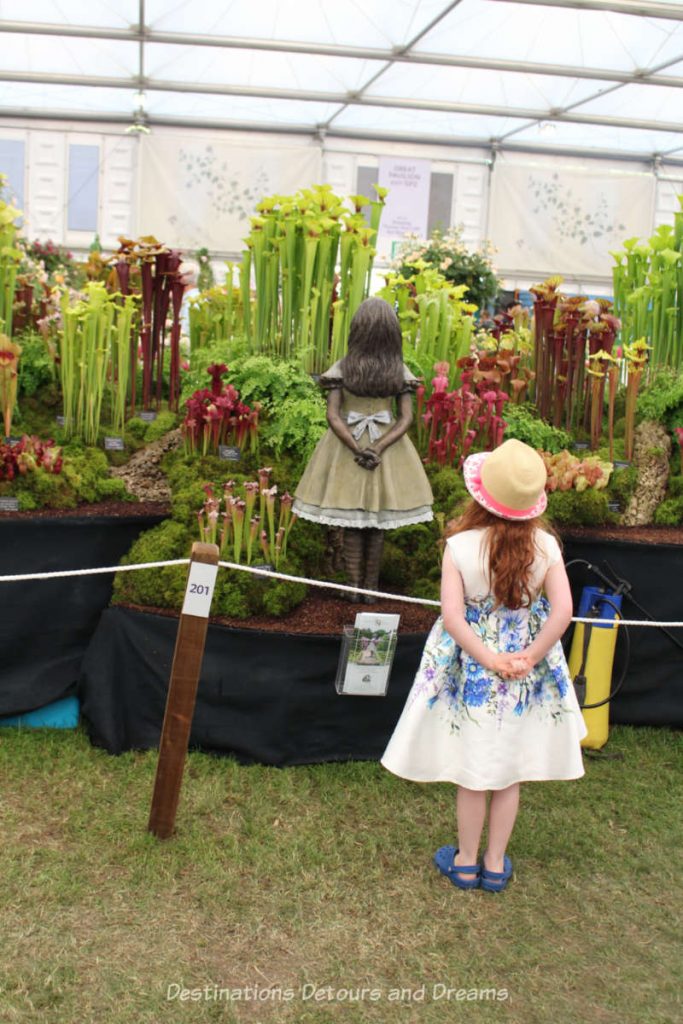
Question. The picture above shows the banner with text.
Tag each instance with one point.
(407, 204)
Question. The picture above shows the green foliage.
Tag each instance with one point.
(157, 588)
(580, 508)
(36, 366)
(662, 399)
(144, 432)
(237, 594)
(293, 409)
(88, 475)
(84, 478)
(187, 475)
(447, 253)
(676, 486)
(411, 560)
(670, 512)
(622, 485)
(524, 424)
(448, 487)
(241, 594)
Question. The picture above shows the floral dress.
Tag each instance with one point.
(466, 725)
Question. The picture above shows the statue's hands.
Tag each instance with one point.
(368, 458)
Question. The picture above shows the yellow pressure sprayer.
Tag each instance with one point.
(592, 655)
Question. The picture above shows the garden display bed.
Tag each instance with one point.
(46, 625)
(266, 692)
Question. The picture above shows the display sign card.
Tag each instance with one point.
(200, 586)
(367, 654)
(114, 444)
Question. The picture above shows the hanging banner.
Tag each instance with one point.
(202, 191)
(564, 220)
(407, 204)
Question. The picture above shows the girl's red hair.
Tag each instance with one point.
(511, 550)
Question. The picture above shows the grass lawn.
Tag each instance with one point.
(309, 877)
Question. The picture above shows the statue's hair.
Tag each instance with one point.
(373, 365)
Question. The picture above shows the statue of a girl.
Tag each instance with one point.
(365, 474)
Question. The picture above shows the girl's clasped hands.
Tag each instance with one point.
(511, 666)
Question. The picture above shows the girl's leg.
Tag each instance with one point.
(471, 811)
(502, 814)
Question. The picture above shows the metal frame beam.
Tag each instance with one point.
(136, 35)
(342, 99)
(639, 8)
(487, 144)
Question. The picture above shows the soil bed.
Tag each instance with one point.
(626, 534)
(117, 509)
(320, 615)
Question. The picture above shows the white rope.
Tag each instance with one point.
(90, 572)
(272, 574)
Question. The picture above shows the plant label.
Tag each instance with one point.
(9, 504)
(59, 420)
(620, 464)
(11, 441)
(264, 566)
(200, 587)
(114, 444)
(580, 446)
(148, 415)
(226, 451)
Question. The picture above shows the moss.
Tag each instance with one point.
(676, 486)
(622, 484)
(449, 490)
(139, 431)
(588, 508)
(161, 588)
(411, 554)
(135, 430)
(164, 422)
(670, 512)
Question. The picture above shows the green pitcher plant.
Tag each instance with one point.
(648, 291)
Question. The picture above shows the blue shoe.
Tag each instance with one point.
(496, 881)
(443, 858)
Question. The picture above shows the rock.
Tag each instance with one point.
(651, 451)
(142, 474)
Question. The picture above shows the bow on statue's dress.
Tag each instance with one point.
(360, 422)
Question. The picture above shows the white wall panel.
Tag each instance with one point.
(470, 202)
(667, 203)
(46, 185)
(117, 213)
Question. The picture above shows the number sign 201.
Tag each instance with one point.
(200, 588)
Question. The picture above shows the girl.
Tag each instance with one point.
(493, 704)
(365, 473)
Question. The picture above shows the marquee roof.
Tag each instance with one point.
(584, 76)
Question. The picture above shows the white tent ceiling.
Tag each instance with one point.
(587, 76)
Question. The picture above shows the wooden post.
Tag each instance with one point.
(182, 689)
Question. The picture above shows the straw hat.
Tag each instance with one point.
(509, 481)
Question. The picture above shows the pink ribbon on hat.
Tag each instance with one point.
(496, 506)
